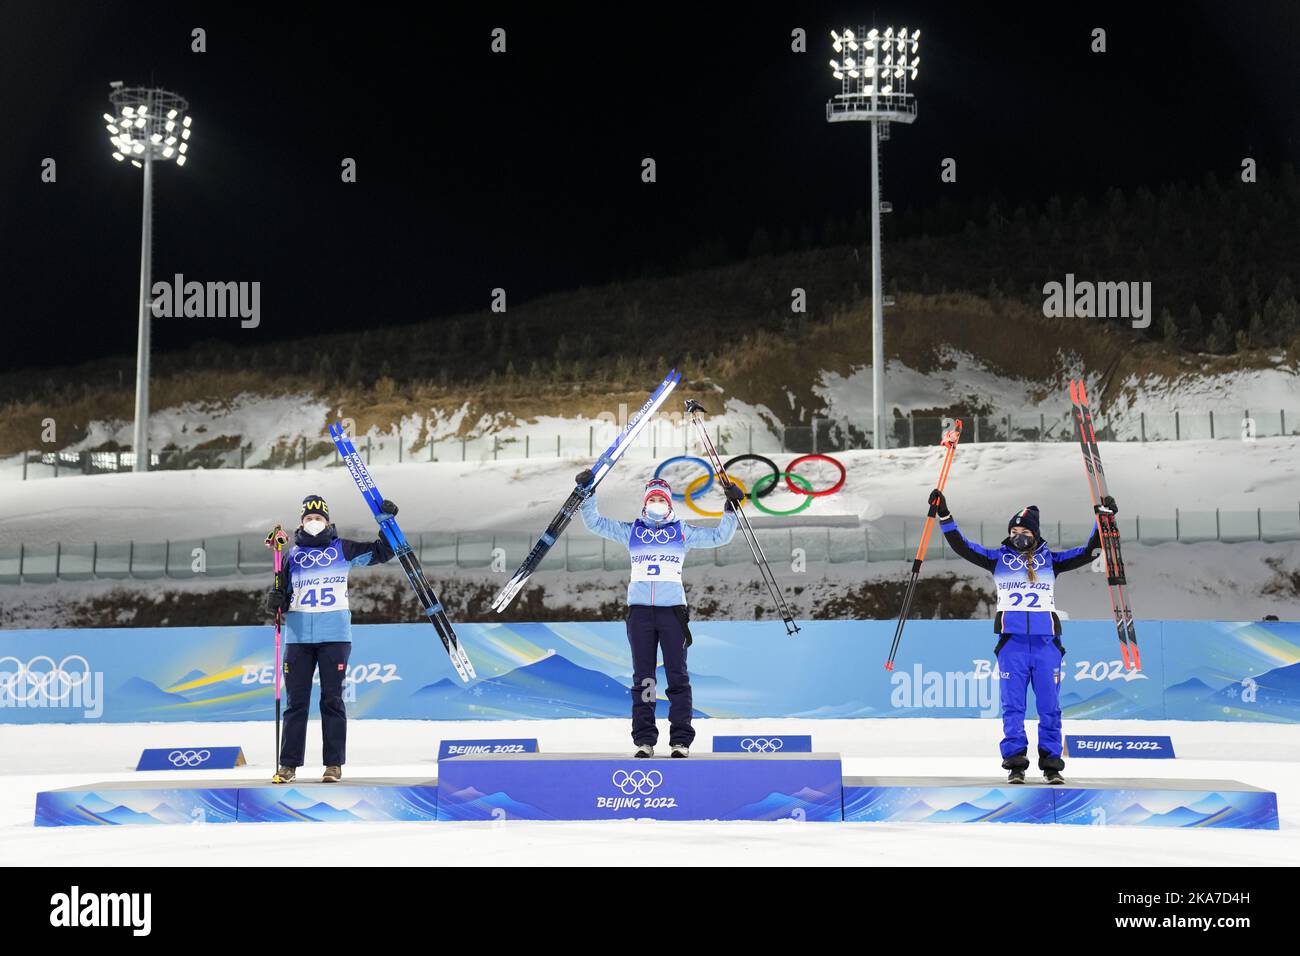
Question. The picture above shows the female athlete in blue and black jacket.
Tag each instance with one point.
(1029, 648)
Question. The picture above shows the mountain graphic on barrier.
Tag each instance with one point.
(1277, 698)
(550, 687)
(1187, 693)
(1110, 703)
(93, 808)
(138, 692)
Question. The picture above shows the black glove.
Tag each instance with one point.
(734, 495)
(583, 478)
(388, 507)
(1109, 504)
(939, 503)
(276, 600)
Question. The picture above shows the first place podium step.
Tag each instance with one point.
(706, 786)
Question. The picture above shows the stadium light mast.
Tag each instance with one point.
(874, 68)
(146, 125)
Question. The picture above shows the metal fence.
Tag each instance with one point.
(662, 439)
(817, 548)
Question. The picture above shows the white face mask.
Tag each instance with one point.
(658, 509)
(314, 525)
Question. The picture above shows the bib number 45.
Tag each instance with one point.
(318, 597)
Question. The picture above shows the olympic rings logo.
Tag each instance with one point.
(645, 534)
(1017, 562)
(637, 781)
(761, 745)
(766, 484)
(188, 758)
(54, 684)
(316, 559)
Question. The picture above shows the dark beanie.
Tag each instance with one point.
(314, 505)
(1026, 518)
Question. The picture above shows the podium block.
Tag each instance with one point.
(351, 801)
(1220, 804)
(238, 801)
(607, 787)
(115, 804)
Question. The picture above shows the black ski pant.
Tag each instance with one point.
(300, 663)
(651, 630)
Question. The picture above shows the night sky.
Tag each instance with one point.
(522, 170)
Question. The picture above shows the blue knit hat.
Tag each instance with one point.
(1026, 518)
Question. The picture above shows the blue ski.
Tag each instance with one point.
(581, 493)
(406, 555)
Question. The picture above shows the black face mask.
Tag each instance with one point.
(1022, 542)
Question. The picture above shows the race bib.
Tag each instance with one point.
(320, 579)
(1016, 592)
(657, 553)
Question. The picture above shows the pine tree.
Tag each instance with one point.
(1194, 335)
(1168, 327)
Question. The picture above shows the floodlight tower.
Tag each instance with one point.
(874, 68)
(146, 124)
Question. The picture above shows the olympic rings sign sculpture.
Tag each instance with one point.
(764, 486)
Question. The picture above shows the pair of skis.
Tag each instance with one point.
(1106, 527)
(760, 559)
(406, 555)
(635, 425)
(949, 443)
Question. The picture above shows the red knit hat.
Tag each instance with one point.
(657, 486)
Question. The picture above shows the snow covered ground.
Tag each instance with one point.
(988, 482)
(42, 757)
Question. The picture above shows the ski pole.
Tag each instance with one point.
(276, 541)
(950, 440)
(742, 519)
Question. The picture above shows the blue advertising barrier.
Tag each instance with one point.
(1123, 746)
(1192, 670)
(191, 758)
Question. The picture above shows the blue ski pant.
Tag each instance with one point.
(300, 664)
(1025, 660)
(651, 630)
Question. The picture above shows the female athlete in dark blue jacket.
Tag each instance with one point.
(1029, 648)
